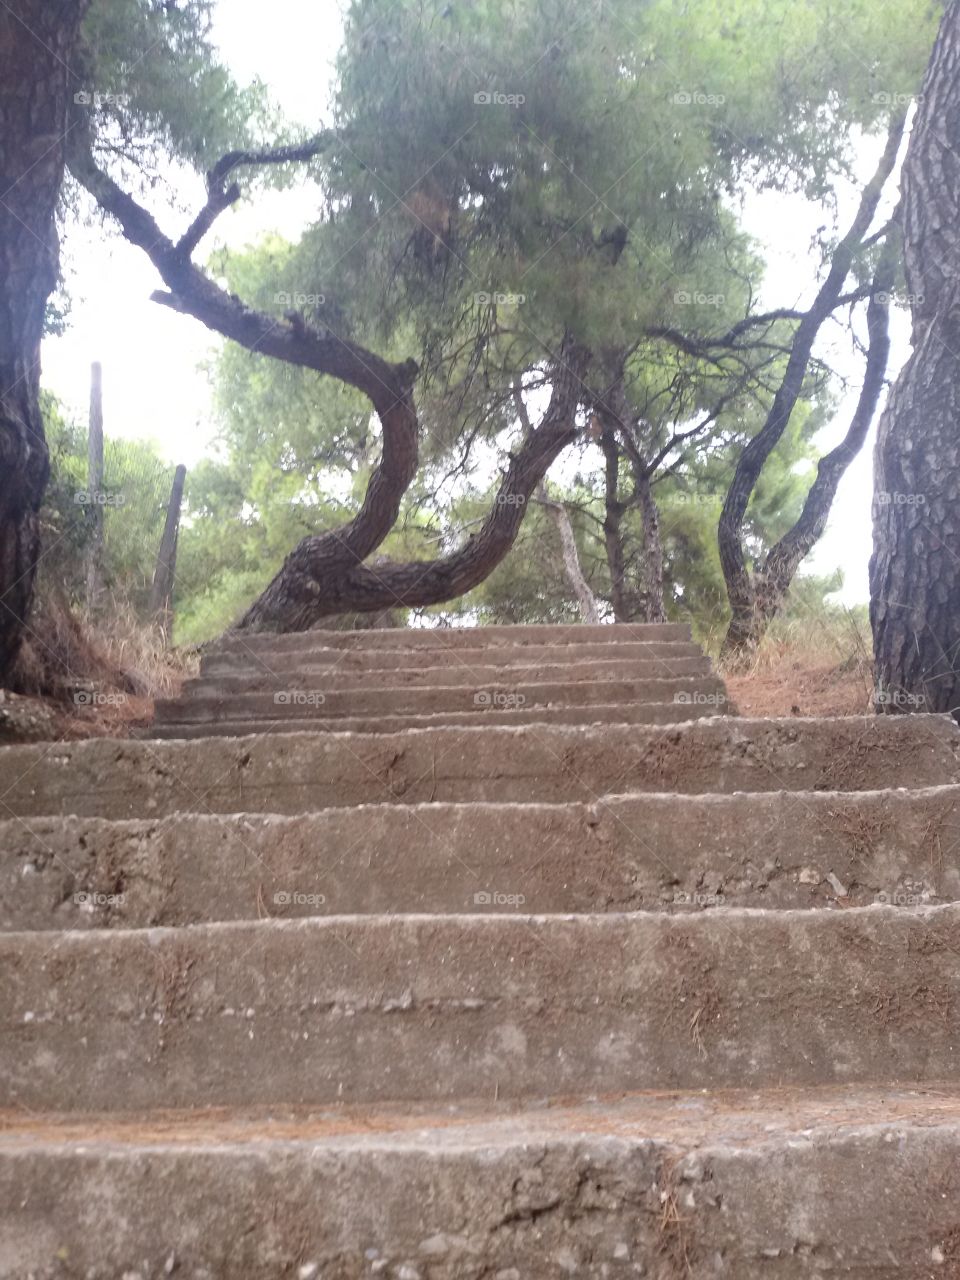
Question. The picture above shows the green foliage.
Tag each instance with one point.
(645, 117)
(599, 194)
(159, 87)
(133, 499)
(530, 585)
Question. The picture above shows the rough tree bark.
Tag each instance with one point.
(751, 609)
(655, 609)
(36, 42)
(624, 607)
(164, 575)
(915, 567)
(644, 600)
(325, 575)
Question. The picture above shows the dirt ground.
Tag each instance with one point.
(794, 686)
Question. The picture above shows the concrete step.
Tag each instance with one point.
(303, 773)
(781, 850)
(299, 704)
(424, 638)
(267, 661)
(431, 1008)
(619, 713)
(336, 676)
(779, 1185)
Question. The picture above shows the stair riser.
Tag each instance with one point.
(548, 763)
(424, 638)
(270, 661)
(420, 676)
(623, 854)
(592, 1206)
(294, 704)
(367, 1010)
(646, 713)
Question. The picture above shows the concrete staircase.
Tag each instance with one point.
(386, 681)
(484, 1000)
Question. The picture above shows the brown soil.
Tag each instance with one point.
(794, 686)
(28, 719)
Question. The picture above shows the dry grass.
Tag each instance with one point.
(149, 670)
(81, 677)
(143, 651)
(98, 677)
(820, 665)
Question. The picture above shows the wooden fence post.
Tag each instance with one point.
(95, 487)
(161, 594)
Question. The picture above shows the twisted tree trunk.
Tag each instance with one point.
(325, 575)
(915, 567)
(417, 583)
(756, 596)
(36, 43)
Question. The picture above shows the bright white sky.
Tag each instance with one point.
(154, 385)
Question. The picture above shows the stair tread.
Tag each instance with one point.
(439, 637)
(350, 678)
(696, 1118)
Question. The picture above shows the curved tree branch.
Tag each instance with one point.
(387, 386)
(324, 575)
(295, 153)
(784, 557)
(366, 588)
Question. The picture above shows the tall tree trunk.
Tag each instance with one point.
(654, 610)
(587, 601)
(614, 509)
(644, 601)
(773, 576)
(36, 44)
(915, 567)
(165, 573)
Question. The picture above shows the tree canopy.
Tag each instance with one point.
(500, 175)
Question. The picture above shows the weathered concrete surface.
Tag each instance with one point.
(335, 676)
(267, 660)
(312, 719)
(500, 694)
(429, 638)
(368, 1009)
(421, 979)
(675, 853)
(842, 1182)
(305, 773)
